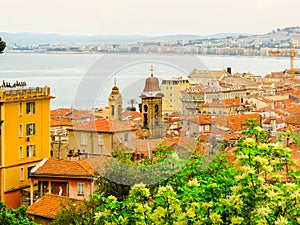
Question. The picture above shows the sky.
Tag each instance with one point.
(148, 17)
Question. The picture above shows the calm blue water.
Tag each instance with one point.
(86, 80)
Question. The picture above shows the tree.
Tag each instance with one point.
(74, 214)
(2, 45)
(132, 102)
(14, 216)
(262, 186)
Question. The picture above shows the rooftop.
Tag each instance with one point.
(103, 125)
(20, 92)
(49, 167)
(49, 205)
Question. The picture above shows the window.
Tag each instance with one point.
(30, 151)
(80, 190)
(207, 127)
(30, 129)
(100, 140)
(30, 107)
(21, 152)
(20, 109)
(112, 110)
(29, 171)
(21, 174)
(20, 130)
(126, 137)
(83, 139)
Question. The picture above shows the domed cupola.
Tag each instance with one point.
(152, 88)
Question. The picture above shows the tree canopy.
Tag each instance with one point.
(260, 186)
(2, 45)
(14, 216)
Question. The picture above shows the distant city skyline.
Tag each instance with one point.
(155, 17)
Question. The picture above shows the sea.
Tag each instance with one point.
(84, 81)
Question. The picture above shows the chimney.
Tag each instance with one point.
(229, 70)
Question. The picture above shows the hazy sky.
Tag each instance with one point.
(150, 17)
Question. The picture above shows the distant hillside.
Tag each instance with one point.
(43, 39)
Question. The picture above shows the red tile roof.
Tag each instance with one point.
(201, 119)
(61, 122)
(268, 120)
(131, 114)
(225, 103)
(264, 109)
(103, 125)
(60, 112)
(63, 168)
(49, 205)
(293, 120)
(292, 109)
(235, 122)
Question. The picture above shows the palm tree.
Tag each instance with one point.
(132, 102)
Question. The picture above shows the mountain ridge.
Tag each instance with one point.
(29, 38)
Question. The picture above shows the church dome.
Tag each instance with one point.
(115, 90)
(152, 84)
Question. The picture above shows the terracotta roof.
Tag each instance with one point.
(268, 120)
(63, 168)
(264, 109)
(103, 125)
(293, 119)
(131, 114)
(264, 99)
(60, 112)
(279, 113)
(225, 103)
(49, 205)
(295, 93)
(61, 122)
(235, 122)
(80, 114)
(292, 109)
(201, 119)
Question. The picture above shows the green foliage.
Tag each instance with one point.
(78, 215)
(14, 216)
(262, 186)
(121, 173)
(2, 45)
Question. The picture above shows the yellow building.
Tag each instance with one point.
(101, 137)
(171, 89)
(24, 141)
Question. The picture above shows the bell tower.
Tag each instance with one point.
(115, 103)
(152, 108)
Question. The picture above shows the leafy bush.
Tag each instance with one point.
(14, 216)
